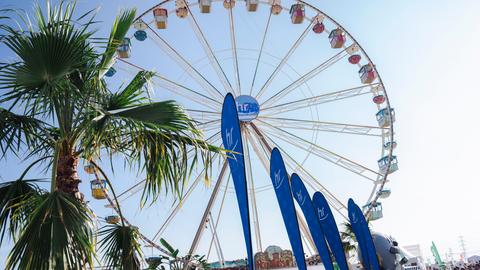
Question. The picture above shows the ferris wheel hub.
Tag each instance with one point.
(247, 108)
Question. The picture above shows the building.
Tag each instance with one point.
(415, 257)
(274, 257)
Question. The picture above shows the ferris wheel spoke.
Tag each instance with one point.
(305, 77)
(323, 153)
(217, 221)
(234, 52)
(249, 173)
(210, 203)
(320, 99)
(202, 114)
(186, 92)
(353, 129)
(178, 205)
(209, 52)
(260, 52)
(185, 65)
(283, 61)
(295, 166)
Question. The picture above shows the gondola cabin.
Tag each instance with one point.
(379, 99)
(140, 35)
(161, 17)
(337, 38)
(113, 219)
(385, 117)
(318, 28)
(110, 72)
(89, 168)
(205, 5)
(389, 146)
(228, 4)
(367, 73)
(99, 189)
(276, 9)
(124, 49)
(354, 59)
(153, 262)
(182, 12)
(252, 5)
(140, 26)
(384, 193)
(383, 164)
(297, 13)
(376, 211)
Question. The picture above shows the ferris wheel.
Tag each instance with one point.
(301, 83)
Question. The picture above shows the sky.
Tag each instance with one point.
(427, 54)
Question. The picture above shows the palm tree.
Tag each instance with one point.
(57, 110)
(348, 239)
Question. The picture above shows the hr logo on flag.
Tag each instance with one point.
(321, 213)
(278, 179)
(301, 198)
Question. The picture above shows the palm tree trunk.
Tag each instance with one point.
(67, 179)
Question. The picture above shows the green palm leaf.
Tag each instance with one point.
(13, 210)
(119, 30)
(120, 246)
(20, 130)
(58, 235)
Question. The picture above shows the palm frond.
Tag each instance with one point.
(17, 131)
(131, 95)
(121, 247)
(58, 235)
(48, 53)
(119, 30)
(13, 209)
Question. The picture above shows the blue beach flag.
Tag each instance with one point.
(279, 176)
(232, 140)
(353, 216)
(329, 227)
(363, 235)
(302, 197)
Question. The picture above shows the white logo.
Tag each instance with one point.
(354, 218)
(229, 136)
(278, 179)
(321, 213)
(300, 197)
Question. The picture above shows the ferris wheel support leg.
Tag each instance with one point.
(201, 227)
(303, 227)
(213, 229)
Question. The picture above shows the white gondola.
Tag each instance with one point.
(124, 49)
(228, 4)
(161, 17)
(297, 13)
(367, 73)
(376, 211)
(205, 5)
(276, 7)
(384, 193)
(389, 146)
(383, 164)
(252, 5)
(385, 117)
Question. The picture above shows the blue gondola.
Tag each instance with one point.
(383, 163)
(376, 211)
(125, 48)
(385, 117)
(110, 72)
(384, 193)
(140, 35)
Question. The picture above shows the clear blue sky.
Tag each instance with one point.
(427, 54)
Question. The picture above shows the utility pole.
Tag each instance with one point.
(463, 247)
